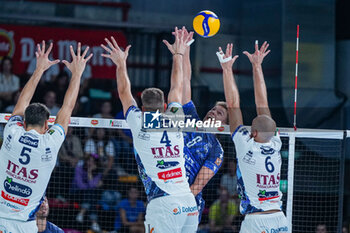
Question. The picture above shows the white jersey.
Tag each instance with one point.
(159, 155)
(258, 172)
(27, 160)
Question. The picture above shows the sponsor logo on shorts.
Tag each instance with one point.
(283, 229)
(16, 188)
(265, 196)
(189, 210)
(17, 200)
(171, 174)
(29, 141)
(164, 165)
(4, 230)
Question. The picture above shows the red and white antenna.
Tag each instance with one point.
(296, 81)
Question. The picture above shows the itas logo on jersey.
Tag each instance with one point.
(164, 165)
(265, 196)
(267, 181)
(166, 152)
(16, 188)
(22, 173)
(29, 141)
(17, 200)
(171, 174)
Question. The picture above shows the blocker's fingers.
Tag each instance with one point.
(85, 52)
(227, 49)
(106, 48)
(106, 55)
(127, 49)
(36, 54)
(55, 61)
(49, 49)
(168, 45)
(43, 46)
(268, 51)
(256, 45)
(65, 62)
(109, 44)
(72, 51)
(38, 48)
(89, 57)
(115, 43)
(235, 58)
(266, 47)
(263, 47)
(79, 49)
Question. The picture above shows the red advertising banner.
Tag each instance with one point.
(19, 42)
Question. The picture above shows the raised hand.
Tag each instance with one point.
(227, 64)
(179, 46)
(117, 55)
(188, 35)
(42, 58)
(78, 63)
(258, 56)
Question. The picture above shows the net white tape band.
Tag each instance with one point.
(224, 129)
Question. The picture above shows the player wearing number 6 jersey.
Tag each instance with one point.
(30, 148)
(258, 151)
(159, 153)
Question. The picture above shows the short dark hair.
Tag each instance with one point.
(36, 114)
(5, 58)
(152, 99)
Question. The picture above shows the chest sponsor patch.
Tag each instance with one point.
(17, 200)
(17, 188)
(29, 141)
(164, 165)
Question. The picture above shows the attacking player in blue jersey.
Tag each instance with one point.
(203, 152)
(258, 150)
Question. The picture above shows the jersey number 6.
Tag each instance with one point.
(269, 165)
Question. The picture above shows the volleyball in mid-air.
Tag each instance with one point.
(206, 24)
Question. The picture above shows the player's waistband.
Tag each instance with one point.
(177, 195)
(267, 214)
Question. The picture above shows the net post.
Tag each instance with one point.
(291, 157)
(341, 182)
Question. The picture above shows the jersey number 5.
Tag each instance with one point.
(269, 165)
(165, 139)
(26, 156)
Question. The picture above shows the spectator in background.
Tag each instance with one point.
(60, 85)
(103, 146)
(45, 226)
(9, 83)
(222, 213)
(71, 150)
(50, 102)
(131, 213)
(15, 97)
(321, 228)
(106, 111)
(87, 179)
(229, 180)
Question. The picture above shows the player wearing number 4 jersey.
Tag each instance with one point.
(30, 148)
(159, 154)
(258, 151)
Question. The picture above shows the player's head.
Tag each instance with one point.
(6, 65)
(44, 210)
(50, 99)
(218, 113)
(37, 115)
(152, 100)
(133, 194)
(263, 128)
(224, 195)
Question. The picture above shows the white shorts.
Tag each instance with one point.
(172, 214)
(265, 223)
(13, 226)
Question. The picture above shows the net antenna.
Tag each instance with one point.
(296, 81)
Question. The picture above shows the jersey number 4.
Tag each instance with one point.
(165, 139)
(26, 158)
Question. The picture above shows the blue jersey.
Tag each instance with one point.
(52, 228)
(200, 149)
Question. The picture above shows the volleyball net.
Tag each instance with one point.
(96, 186)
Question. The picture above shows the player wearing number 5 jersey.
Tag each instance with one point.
(258, 151)
(159, 153)
(30, 148)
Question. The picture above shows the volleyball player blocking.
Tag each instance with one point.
(159, 154)
(258, 151)
(29, 152)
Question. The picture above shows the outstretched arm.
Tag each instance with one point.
(178, 50)
(77, 67)
(42, 64)
(230, 89)
(262, 106)
(123, 83)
